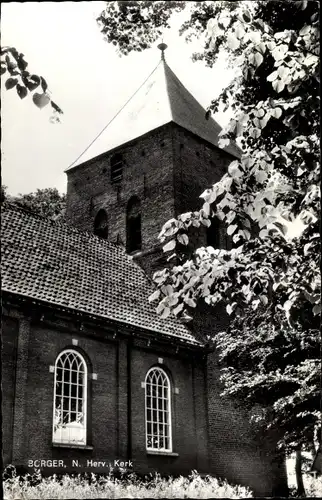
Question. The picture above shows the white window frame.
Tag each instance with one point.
(157, 409)
(62, 441)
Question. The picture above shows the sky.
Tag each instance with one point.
(87, 79)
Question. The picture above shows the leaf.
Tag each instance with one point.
(224, 21)
(3, 70)
(271, 45)
(276, 112)
(160, 308)
(205, 222)
(272, 76)
(306, 248)
(234, 170)
(232, 41)
(211, 25)
(305, 30)
(258, 58)
(178, 309)
(254, 132)
(283, 71)
(155, 295)
(260, 176)
(44, 85)
(281, 227)
(56, 108)
(209, 195)
(278, 85)
(263, 122)
(246, 16)
(317, 309)
(169, 246)
(263, 299)
(261, 47)
(15, 53)
(31, 85)
(190, 302)
(183, 239)
(231, 229)
(231, 307)
(260, 112)
(22, 64)
(10, 83)
(287, 305)
(40, 100)
(255, 37)
(239, 31)
(21, 91)
(206, 208)
(165, 313)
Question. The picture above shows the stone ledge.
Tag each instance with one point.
(165, 453)
(73, 446)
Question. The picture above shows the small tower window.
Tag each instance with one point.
(117, 167)
(133, 225)
(213, 234)
(100, 225)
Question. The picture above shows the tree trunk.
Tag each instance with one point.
(298, 473)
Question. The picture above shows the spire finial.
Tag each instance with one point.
(162, 46)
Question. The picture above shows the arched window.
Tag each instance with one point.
(213, 233)
(133, 225)
(100, 225)
(117, 167)
(70, 398)
(158, 410)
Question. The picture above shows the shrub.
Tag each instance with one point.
(194, 486)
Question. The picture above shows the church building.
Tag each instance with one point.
(90, 373)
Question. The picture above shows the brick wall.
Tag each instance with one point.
(115, 413)
(45, 345)
(10, 328)
(188, 415)
(147, 173)
(236, 451)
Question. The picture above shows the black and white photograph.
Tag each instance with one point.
(161, 249)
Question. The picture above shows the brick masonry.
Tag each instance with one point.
(10, 329)
(116, 400)
(167, 169)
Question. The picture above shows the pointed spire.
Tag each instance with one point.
(162, 46)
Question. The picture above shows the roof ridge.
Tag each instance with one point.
(8, 205)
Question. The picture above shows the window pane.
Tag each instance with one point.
(158, 410)
(69, 424)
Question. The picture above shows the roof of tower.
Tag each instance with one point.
(161, 99)
(55, 264)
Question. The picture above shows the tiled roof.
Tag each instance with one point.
(55, 263)
(160, 100)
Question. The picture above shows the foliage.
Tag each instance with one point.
(269, 201)
(46, 202)
(13, 64)
(94, 486)
(136, 25)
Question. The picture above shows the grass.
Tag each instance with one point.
(37, 487)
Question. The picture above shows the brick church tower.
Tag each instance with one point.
(150, 165)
